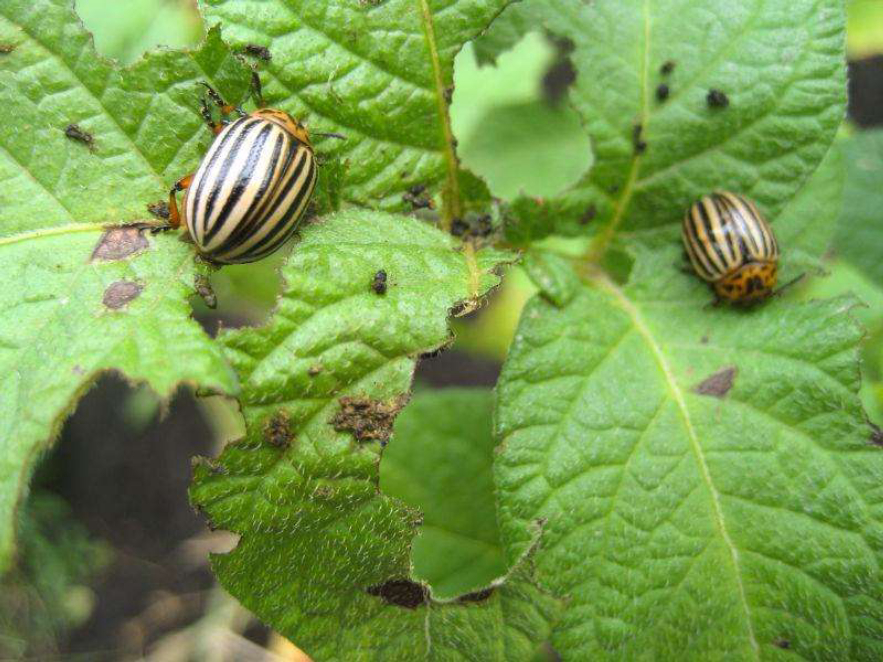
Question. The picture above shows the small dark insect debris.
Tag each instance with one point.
(662, 92)
(434, 353)
(314, 370)
(477, 596)
(639, 144)
(449, 93)
(459, 227)
(414, 196)
(483, 226)
(588, 215)
(703, 340)
(401, 593)
(367, 419)
(876, 435)
(782, 643)
(277, 431)
(667, 67)
(204, 290)
(159, 209)
(717, 99)
(257, 51)
(120, 293)
(6, 49)
(719, 384)
(117, 243)
(378, 284)
(74, 132)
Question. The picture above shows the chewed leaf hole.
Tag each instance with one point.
(401, 593)
(367, 419)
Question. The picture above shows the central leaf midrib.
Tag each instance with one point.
(622, 301)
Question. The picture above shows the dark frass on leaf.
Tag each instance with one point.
(6, 49)
(638, 142)
(160, 209)
(378, 284)
(414, 196)
(74, 132)
(277, 431)
(717, 99)
(662, 92)
(260, 52)
(667, 68)
(367, 419)
(588, 215)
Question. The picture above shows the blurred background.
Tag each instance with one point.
(113, 561)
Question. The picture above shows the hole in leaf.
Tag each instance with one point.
(401, 593)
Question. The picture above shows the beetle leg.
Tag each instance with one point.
(174, 215)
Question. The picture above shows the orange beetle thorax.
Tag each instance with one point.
(287, 122)
(749, 284)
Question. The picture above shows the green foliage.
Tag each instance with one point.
(83, 299)
(671, 481)
(377, 72)
(779, 64)
(745, 503)
(440, 464)
(860, 232)
(321, 384)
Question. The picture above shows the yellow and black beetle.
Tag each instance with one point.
(732, 247)
(246, 197)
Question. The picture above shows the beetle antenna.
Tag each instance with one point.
(339, 136)
(789, 284)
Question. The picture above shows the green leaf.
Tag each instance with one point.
(781, 66)
(860, 234)
(81, 299)
(707, 477)
(378, 72)
(323, 555)
(508, 133)
(440, 463)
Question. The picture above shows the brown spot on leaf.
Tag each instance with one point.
(876, 435)
(401, 593)
(367, 419)
(119, 242)
(277, 431)
(6, 49)
(120, 293)
(477, 596)
(782, 643)
(719, 384)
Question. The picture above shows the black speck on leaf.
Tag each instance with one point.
(667, 67)
(588, 215)
(717, 99)
(782, 643)
(639, 144)
(401, 593)
(378, 284)
(74, 132)
(718, 384)
(662, 92)
(160, 209)
(120, 293)
(876, 435)
(261, 52)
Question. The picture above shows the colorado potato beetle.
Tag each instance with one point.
(246, 197)
(732, 247)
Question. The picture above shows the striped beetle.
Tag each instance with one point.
(732, 247)
(252, 186)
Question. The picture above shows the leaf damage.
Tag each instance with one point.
(718, 384)
(367, 419)
(401, 593)
(120, 242)
(120, 293)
